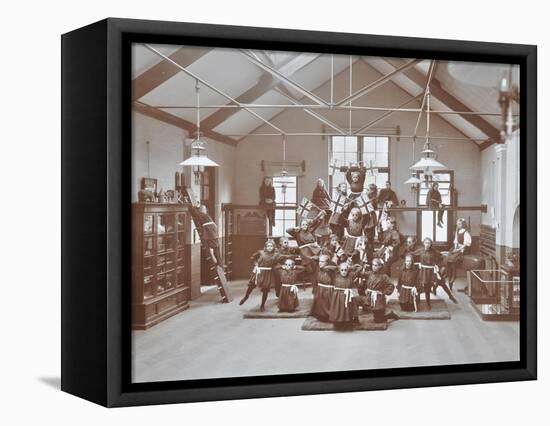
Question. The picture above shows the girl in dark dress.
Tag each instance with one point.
(336, 216)
(433, 201)
(343, 305)
(333, 250)
(321, 199)
(356, 175)
(461, 246)
(208, 231)
(267, 200)
(391, 240)
(307, 242)
(325, 289)
(263, 274)
(407, 285)
(288, 275)
(288, 252)
(373, 290)
(320, 196)
(371, 219)
(428, 260)
(353, 233)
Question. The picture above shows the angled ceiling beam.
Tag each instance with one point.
(277, 74)
(425, 93)
(448, 123)
(385, 115)
(164, 70)
(284, 110)
(285, 92)
(453, 103)
(371, 86)
(165, 117)
(211, 86)
(264, 84)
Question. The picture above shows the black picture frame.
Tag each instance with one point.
(96, 118)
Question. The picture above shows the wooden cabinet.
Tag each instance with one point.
(160, 279)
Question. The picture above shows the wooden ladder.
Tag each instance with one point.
(219, 274)
(219, 279)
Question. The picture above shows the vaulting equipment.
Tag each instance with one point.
(217, 271)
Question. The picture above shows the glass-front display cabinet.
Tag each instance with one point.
(159, 277)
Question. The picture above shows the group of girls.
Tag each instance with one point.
(337, 252)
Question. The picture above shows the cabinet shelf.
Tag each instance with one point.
(152, 301)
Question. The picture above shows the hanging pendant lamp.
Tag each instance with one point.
(198, 159)
(427, 163)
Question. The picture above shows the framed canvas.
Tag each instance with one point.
(349, 212)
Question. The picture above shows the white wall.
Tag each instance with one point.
(165, 151)
(500, 212)
(224, 155)
(461, 156)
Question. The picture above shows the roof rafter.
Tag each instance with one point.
(164, 70)
(264, 84)
(298, 100)
(168, 118)
(453, 103)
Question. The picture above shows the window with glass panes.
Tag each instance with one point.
(372, 150)
(285, 203)
(428, 222)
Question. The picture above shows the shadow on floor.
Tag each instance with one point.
(54, 382)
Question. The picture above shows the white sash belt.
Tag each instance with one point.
(325, 285)
(373, 297)
(307, 245)
(420, 265)
(208, 223)
(259, 269)
(293, 288)
(414, 292)
(348, 293)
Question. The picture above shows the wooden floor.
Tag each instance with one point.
(212, 340)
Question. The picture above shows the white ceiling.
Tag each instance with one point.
(473, 84)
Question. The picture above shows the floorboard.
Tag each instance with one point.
(212, 339)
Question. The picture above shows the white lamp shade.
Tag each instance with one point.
(199, 160)
(198, 156)
(427, 163)
(413, 180)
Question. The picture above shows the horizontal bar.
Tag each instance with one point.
(330, 107)
(482, 208)
(371, 134)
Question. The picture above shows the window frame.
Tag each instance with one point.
(358, 157)
(286, 206)
(450, 213)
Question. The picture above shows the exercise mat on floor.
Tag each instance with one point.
(366, 322)
(272, 311)
(439, 310)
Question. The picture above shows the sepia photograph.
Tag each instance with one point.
(303, 212)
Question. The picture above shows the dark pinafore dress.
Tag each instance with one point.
(288, 297)
(307, 242)
(426, 261)
(374, 289)
(264, 275)
(407, 285)
(356, 188)
(352, 236)
(343, 306)
(323, 293)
